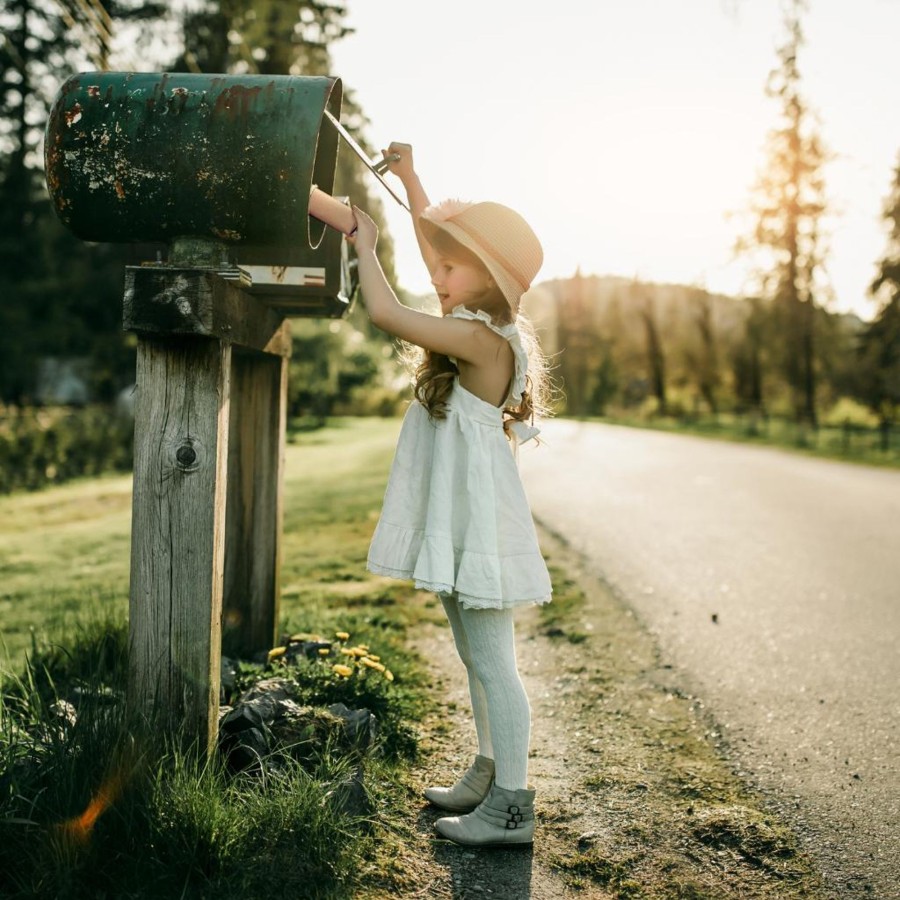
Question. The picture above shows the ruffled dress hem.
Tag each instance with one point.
(435, 562)
(467, 601)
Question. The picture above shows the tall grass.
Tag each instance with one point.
(93, 804)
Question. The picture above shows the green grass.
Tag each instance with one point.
(64, 551)
(854, 444)
(559, 619)
(93, 809)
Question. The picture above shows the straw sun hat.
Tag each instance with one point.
(497, 235)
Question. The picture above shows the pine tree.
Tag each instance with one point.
(748, 359)
(655, 354)
(788, 207)
(701, 355)
(59, 294)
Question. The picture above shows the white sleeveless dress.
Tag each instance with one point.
(455, 516)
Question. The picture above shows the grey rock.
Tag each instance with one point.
(242, 718)
(248, 753)
(227, 676)
(273, 688)
(266, 723)
(360, 725)
(351, 797)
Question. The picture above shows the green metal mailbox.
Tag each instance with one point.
(150, 157)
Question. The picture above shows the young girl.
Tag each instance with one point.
(455, 516)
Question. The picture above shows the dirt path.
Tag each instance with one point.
(635, 794)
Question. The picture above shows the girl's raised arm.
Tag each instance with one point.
(415, 193)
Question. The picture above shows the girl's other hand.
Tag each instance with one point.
(403, 168)
(366, 236)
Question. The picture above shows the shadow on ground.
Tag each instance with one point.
(503, 872)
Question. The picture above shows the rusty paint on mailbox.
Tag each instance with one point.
(150, 157)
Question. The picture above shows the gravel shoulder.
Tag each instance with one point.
(636, 797)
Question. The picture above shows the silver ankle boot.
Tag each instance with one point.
(469, 791)
(501, 819)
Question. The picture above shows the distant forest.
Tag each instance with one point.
(622, 344)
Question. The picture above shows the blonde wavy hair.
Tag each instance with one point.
(433, 373)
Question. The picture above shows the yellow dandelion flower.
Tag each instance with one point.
(372, 656)
(324, 651)
(341, 635)
(347, 651)
(345, 671)
(275, 652)
(358, 651)
(389, 674)
(372, 664)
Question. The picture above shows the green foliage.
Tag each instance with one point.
(338, 369)
(49, 446)
(61, 296)
(717, 355)
(849, 411)
(878, 351)
(879, 358)
(271, 37)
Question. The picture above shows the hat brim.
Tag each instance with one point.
(508, 285)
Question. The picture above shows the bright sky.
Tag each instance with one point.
(625, 131)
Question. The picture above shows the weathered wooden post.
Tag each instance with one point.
(219, 169)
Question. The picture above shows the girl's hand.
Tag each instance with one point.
(403, 168)
(366, 236)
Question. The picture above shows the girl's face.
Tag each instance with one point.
(458, 282)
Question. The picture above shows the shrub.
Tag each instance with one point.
(850, 412)
(42, 446)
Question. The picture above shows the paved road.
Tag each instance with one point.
(773, 583)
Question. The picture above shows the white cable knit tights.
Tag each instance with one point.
(485, 641)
